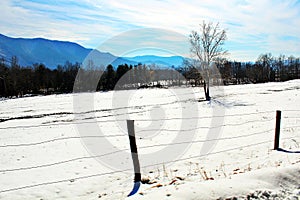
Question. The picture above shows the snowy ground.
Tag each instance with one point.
(43, 157)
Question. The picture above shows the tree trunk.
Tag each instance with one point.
(206, 91)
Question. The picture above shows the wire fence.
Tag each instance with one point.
(120, 171)
(142, 147)
(94, 119)
(121, 135)
(268, 131)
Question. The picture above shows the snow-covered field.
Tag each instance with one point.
(44, 157)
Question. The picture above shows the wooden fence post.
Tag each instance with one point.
(277, 130)
(135, 157)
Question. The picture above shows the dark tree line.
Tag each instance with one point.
(37, 79)
(16, 80)
(266, 68)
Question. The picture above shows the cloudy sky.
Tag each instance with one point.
(253, 26)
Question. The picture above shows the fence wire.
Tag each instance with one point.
(142, 147)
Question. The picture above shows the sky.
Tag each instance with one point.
(253, 27)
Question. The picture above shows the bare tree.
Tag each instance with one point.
(265, 62)
(206, 46)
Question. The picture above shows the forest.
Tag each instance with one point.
(18, 81)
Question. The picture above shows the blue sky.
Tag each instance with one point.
(253, 27)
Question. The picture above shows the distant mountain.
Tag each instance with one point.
(53, 53)
(175, 61)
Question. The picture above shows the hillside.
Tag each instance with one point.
(49, 52)
(52, 53)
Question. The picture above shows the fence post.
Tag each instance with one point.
(135, 157)
(277, 130)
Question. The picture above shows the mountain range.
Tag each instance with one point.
(52, 53)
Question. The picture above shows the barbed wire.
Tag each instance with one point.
(287, 138)
(211, 153)
(60, 139)
(204, 117)
(291, 117)
(121, 120)
(60, 181)
(210, 140)
(290, 110)
(120, 171)
(287, 127)
(142, 147)
(259, 158)
(206, 127)
(120, 135)
(96, 156)
(60, 162)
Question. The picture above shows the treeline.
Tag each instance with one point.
(267, 68)
(37, 79)
(16, 80)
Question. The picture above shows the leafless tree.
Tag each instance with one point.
(206, 47)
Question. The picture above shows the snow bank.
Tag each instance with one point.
(271, 183)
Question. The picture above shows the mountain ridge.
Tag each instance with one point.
(52, 53)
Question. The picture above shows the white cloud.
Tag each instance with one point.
(253, 26)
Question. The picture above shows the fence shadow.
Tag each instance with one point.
(287, 151)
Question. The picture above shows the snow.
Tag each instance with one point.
(282, 183)
(240, 160)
